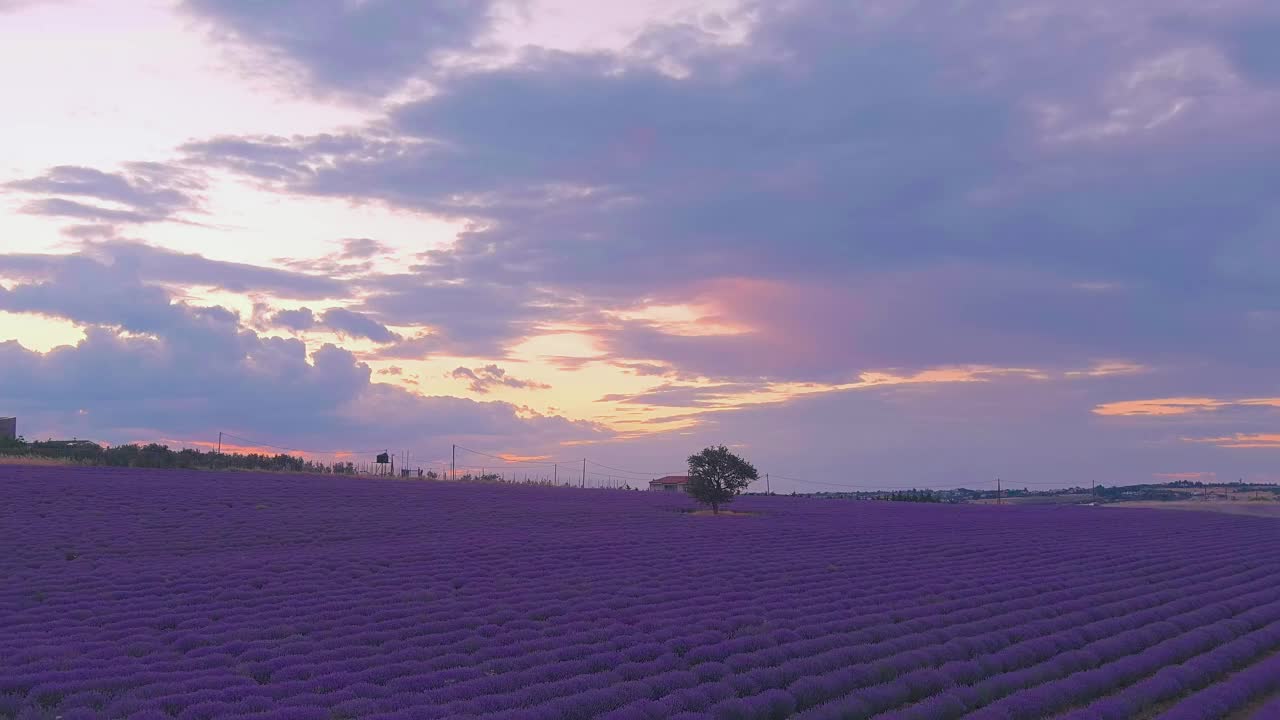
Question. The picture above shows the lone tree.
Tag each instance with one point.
(716, 476)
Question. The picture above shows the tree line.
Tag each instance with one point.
(155, 455)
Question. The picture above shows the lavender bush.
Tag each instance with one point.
(195, 596)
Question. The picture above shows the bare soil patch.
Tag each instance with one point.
(34, 460)
(1268, 509)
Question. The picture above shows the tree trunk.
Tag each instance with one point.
(715, 508)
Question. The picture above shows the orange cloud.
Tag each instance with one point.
(1186, 476)
(697, 319)
(1160, 406)
(512, 458)
(1104, 369)
(1241, 440)
(1178, 406)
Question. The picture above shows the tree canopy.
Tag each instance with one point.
(716, 476)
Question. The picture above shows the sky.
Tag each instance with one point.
(865, 244)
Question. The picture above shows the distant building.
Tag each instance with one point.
(8, 428)
(670, 483)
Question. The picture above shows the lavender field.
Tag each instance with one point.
(151, 595)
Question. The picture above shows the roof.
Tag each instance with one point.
(671, 480)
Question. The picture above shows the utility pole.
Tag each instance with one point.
(219, 442)
(454, 463)
(767, 489)
(555, 469)
(999, 494)
(584, 472)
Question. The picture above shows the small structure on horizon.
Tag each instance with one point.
(8, 428)
(670, 483)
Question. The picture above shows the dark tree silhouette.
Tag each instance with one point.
(716, 476)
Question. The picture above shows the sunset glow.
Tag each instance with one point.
(534, 228)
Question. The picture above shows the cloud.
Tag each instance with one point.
(339, 320)
(687, 396)
(132, 262)
(474, 318)
(86, 292)
(266, 389)
(1172, 406)
(362, 48)
(150, 367)
(354, 324)
(142, 192)
(418, 347)
(481, 380)
(352, 262)
(1196, 476)
(1243, 441)
(904, 189)
(60, 207)
(1158, 407)
(15, 5)
(1023, 429)
(1253, 48)
(362, 248)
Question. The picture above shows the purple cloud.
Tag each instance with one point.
(926, 187)
(339, 320)
(482, 380)
(134, 262)
(365, 48)
(147, 192)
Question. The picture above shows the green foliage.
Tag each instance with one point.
(924, 496)
(716, 476)
(154, 455)
(17, 444)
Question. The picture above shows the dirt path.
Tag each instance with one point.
(1239, 507)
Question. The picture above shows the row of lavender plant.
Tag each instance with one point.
(1236, 692)
(199, 596)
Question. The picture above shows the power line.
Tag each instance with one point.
(547, 463)
(298, 450)
(633, 472)
(847, 485)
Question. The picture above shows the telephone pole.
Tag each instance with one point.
(219, 442)
(767, 490)
(453, 463)
(999, 494)
(584, 472)
(555, 473)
